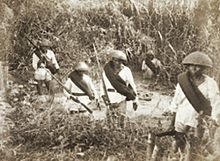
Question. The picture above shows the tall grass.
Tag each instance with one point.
(167, 29)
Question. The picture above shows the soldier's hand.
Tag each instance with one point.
(105, 99)
(91, 97)
(167, 113)
(98, 104)
(135, 106)
(75, 99)
(57, 71)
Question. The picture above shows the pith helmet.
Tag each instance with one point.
(198, 58)
(82, 66)
(45, 42)
(118, 55)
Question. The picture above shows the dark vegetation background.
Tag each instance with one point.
(170, 29)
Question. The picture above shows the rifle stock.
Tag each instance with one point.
(106, 100)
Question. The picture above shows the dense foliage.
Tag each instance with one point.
(170, 32)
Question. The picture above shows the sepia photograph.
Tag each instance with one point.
(109, 80)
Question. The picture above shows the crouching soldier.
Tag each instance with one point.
(151, 66)
(118, 87)
(44, 55)
(197, 95)
(81, 87)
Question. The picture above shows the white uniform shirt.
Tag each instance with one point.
(185, 113)
(71, 105)
(116, 97)
(50, 55)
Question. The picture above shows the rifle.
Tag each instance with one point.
(106, 100)
(38, 53)
(72, 97)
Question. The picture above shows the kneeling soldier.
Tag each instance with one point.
(44, 55)
(81, 87)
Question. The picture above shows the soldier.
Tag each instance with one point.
(81, 87)
(196, 95)
(118, 87)
(151, 66)
(43, 55)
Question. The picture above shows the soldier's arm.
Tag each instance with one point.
(130, 80)
(92, 87)
(54, 60)
(35, 60)
(214, 97)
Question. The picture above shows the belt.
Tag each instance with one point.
(111, 90)
(78, 94)
(76, 112)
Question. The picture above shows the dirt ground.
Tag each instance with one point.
(152, 101)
